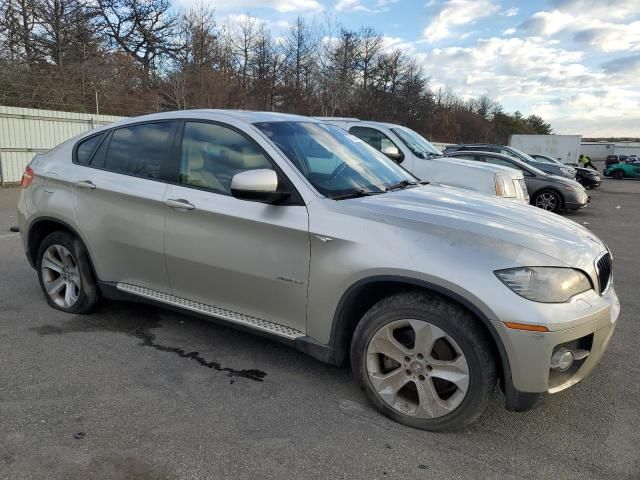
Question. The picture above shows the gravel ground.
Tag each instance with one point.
(109, 396)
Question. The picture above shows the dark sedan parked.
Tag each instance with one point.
(587, 177)
(560, 170)
(549, 192)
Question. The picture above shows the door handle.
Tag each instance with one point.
(179, 203)
(86, 184)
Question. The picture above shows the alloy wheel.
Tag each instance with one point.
(547, 201)
(61, 276)
(417, 369)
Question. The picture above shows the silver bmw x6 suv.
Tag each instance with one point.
(296, 230)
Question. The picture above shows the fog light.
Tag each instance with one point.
(562, 359)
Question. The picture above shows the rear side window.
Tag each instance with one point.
(504, 163)
(86, 147)
(137, 150)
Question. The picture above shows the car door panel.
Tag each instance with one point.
(118, 204)
(242, 256)
(123, 220)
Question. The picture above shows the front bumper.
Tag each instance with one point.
(575, 200)
(530, 352)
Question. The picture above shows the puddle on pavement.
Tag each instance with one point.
(138, 321)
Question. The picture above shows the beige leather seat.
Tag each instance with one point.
(194, 172)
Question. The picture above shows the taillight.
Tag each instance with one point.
(27, 177)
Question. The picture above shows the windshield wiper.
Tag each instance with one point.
(402, 184)
(356, 194)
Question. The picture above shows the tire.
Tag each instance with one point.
(547, 200)
(618, 175)
(459, 346)
(65, 274)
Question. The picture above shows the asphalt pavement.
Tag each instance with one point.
(119, 394)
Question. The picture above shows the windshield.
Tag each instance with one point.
(416, 142)
(338, 164)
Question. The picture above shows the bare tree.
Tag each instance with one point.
(142, 29)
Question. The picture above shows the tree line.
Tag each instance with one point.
(129, 57)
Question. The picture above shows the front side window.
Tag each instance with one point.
(86, 147)
(337, 164)
(137, 150)
(210, 155)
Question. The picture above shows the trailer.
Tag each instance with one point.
(565, 148)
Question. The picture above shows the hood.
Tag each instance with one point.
(429, 206)
(564, 181)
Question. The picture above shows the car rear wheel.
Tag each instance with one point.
(618, 174)
(424, 362)
(65, 274)
(547, 200)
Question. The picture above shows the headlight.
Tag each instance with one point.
(545, 284)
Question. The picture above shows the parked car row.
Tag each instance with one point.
(627, 169)
(480, 167)
(294, 229)
(587, 177)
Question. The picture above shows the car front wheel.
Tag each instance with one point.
(618, 175)
(547, 200)
(424, 362)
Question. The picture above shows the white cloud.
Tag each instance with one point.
(358, 6)
(547, 80)
(510, 12)
(605, 25)
(509, 31)
(455, 13)
(285, 6)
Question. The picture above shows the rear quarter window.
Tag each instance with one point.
(86, 147)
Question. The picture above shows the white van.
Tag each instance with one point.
(426, 162)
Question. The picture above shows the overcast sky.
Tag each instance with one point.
(574, 62)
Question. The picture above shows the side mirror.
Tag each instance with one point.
(257, 185)
(393, 153)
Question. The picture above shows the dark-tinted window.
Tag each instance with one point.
(212, 154)
(504, 163)
(138, 150)
(470, 157)
(86, 148)
(373, 137)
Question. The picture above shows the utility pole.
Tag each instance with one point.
(97, 107)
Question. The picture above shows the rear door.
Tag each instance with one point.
(238, 256)
(118, 203)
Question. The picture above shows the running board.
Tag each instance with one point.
(232, 317)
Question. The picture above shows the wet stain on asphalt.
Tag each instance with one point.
(138, 323)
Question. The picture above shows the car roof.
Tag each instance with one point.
(247, 116)
(498, 155)
(477, 145)
(354, 122)
(476, 165)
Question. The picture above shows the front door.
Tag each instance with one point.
(241, 256)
